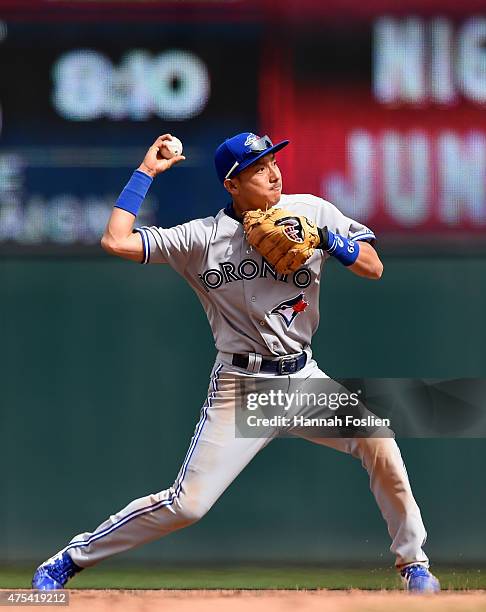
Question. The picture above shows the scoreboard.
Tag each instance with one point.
(81, 102)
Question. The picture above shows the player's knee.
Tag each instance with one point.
(191, 515)
(378, 448)
(190, 511)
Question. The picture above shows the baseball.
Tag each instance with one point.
(174, 146)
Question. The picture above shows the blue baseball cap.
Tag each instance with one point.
(237, 153)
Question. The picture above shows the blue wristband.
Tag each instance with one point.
(134, 192)
(344, 250)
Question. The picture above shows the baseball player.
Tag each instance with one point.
(256, 268)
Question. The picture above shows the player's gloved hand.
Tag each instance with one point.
(159, 158)
(285, 240)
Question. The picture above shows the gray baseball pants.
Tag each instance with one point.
(215, 458)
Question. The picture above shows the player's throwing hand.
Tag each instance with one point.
(159, 157)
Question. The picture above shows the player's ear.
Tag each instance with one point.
(231, 186)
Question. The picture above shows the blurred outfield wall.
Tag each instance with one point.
(105, 366)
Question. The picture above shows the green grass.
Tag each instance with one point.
(245, 577)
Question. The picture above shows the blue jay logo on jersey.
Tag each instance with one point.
(289, 309)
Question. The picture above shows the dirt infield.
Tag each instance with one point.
(271, 601)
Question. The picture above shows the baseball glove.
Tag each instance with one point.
(285, 240)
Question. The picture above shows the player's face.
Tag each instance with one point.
(259, 185)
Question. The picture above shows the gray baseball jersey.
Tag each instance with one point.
(249, 306)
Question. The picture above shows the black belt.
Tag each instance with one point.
(284, 365)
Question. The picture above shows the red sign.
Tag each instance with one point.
(393, 164)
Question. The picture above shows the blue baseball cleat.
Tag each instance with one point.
(417, 579)
(55, 572)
